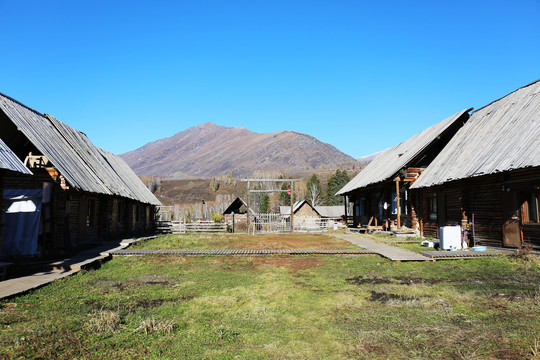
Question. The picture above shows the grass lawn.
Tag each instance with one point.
(280, 307)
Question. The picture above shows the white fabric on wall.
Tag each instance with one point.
(21, 222)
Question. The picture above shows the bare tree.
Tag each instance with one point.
(314, 191)
(315, 194)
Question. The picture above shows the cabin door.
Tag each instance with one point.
(512, 235)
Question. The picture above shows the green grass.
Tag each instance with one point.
(414, 247)
(283, 307)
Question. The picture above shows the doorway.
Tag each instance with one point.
(512, 234)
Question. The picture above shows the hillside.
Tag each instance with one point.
(193, 191)
(209, 150)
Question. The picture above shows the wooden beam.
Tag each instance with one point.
(270, 180)
(398, 204)
(292, 205)
(345, 200)
(248, 212)
(267, 191)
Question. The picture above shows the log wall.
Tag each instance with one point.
(483, 198)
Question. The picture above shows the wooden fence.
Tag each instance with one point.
(279, 223)
(260, 224)
(198, 227)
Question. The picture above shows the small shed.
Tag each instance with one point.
(301, 209)
(331, 212)
(235, 215)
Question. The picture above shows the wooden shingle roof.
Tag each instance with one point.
(502, 136)
(84, 166)
(392, 160)
(41, 132)
(129, 180)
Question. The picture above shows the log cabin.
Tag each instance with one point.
(380, 195)
(487, 178)
(83, 193)
(235, 215)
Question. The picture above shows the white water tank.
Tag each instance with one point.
(450, 237)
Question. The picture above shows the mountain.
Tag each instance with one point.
(209, 150)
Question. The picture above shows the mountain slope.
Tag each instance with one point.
(209, 150)
(368, 158)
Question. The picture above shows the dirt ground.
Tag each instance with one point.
(300, 241)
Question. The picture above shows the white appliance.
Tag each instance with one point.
(450, 237)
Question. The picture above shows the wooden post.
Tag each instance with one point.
(345, 198)
(292, 205)
(247, 213)
(398, 204)
(1, 204)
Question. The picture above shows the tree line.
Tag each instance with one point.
(313, 192)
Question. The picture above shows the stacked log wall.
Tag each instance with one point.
(482, 197)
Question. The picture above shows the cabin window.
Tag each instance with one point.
(529, 209)
(91, 215)
(362, 207)
(403, 197)
(432, 207)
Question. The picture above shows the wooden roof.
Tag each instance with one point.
(385, 166)
(84, 166)
(10, 161)
(502, 136)
(334, 211)
(235, 206)
(286, 210)
(128, 180)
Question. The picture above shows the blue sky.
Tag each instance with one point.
(360, 75)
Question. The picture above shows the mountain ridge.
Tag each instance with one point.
(208, 150)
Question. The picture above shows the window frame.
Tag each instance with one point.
(433, 213)
(530, 210)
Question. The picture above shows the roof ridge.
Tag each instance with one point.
(21, 104)
(502, 97)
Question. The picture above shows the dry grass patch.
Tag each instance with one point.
(150, 326)
(103, 322)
